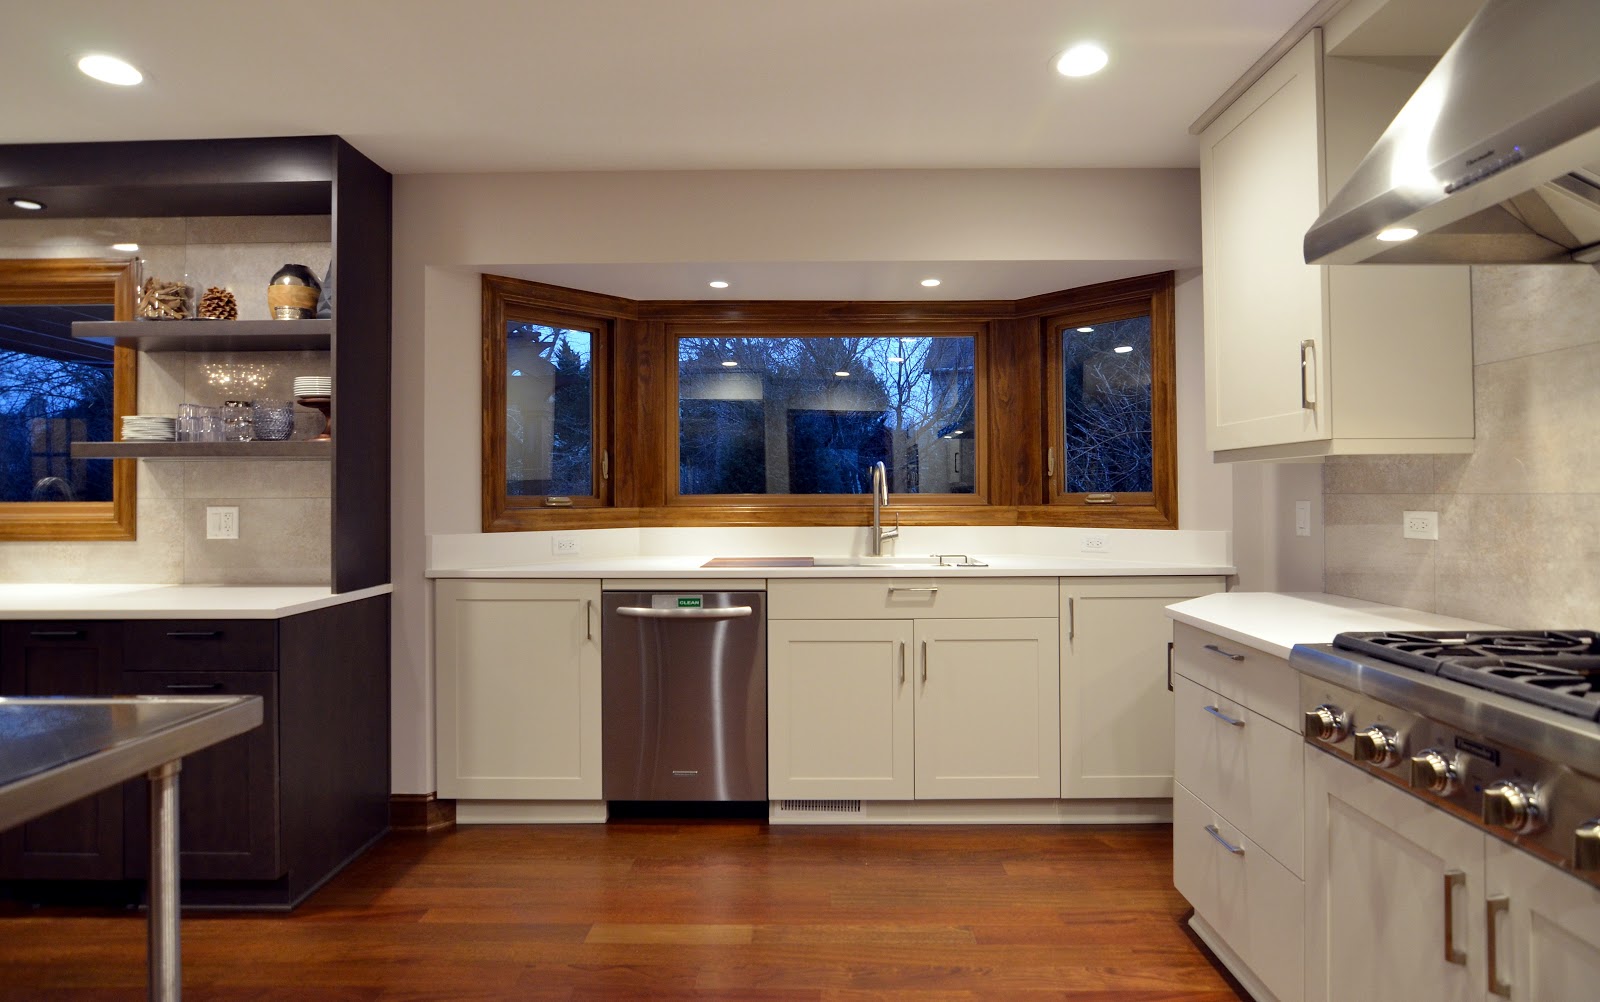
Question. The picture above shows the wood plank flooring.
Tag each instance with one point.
(729, 910)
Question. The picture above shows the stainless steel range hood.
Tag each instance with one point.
(1495, 158)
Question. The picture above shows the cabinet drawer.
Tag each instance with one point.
(1261, 681)
(200, 645)
(913, 598)
(1254, 903)
(1246, 767)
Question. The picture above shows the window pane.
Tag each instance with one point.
(549, 411)
(54, 391)
(811, 415)
(1106, 407)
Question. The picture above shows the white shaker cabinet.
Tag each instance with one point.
(1303, 360)
(518, 689)
(1545, 939)
(1116, 704)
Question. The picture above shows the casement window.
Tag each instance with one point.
(56, 390)
(602, 411)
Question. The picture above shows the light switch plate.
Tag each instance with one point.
(1302, 518)
(222, 522)
(1420, 524)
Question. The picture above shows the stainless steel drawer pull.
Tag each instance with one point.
(902, 662)
(1454, 880)
(1496, 906)
(1236, 722)
(1214, 649)
(1212, 831)
(56, 634)
(588, 619)
(924, 662)
(1308, 374)
(194, 633)
(194, 686)
(640, 612)
(927, 588)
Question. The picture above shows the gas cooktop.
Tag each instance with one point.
(1557, 669)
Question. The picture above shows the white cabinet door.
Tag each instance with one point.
(839, 710)
(987, 709)
(518, 689)
(1261, 189)
(1394, 892)
(1544, 943)
(1116, 707)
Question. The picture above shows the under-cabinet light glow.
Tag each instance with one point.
(26, 203)
(111, 70)
(929, 283)
(129, 248)
(1395, 234)
(1123, 349)
(1082, 60)
(718, 284)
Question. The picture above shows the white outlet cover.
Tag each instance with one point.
(222, 522)
(1096, 542)
(1419, 524)
(564, 545)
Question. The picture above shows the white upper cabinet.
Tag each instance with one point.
(1305, 360)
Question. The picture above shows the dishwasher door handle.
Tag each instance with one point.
(642, 612)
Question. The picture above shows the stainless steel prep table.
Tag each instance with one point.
(56, 750)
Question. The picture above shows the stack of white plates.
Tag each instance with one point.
(313, 386)
(148, 428)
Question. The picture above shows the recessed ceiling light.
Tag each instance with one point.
(730, 363)
(1395, 234)
(1085, 330)
(26, 203)
(111, 70)
(718, 284)
(1082, 60)
(1123, 349)
(841, 373)
(930, 282)
(130, 248)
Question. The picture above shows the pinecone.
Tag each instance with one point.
(218, 304)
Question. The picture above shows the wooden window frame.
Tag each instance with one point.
(1016, 394)
(71, 282)
(1153, 296)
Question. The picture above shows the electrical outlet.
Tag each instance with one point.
(564, 545)
(1420, 525)
(222, 522)
(1096, 542)
(1302, 518)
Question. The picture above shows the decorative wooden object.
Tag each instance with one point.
(162, 300)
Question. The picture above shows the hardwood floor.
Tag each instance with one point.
(730, 910)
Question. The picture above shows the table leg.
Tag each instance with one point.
(166, 966)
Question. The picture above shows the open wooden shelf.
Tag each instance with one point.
(211, 335)
(305, 449)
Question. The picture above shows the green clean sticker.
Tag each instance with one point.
(689, 601)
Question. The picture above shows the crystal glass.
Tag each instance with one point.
(274, 419)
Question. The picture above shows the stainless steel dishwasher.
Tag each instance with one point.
(684, 714)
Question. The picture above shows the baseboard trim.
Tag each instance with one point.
(969, 812)
(420, 813)
(1230, 961)
(530, 812)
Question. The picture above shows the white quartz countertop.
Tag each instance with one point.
(1276, 621)
(691, 568)
(167, 601)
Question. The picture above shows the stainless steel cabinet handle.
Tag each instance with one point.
(1169, 666)
(1308, 376)
(1214, 649)
(902, 662)
(1072, 619)
(191, 634)
(194, 686)
(1234, 721)
(1454, 880)
(588, 619)
(1212, 831)
(640, 612)
(924, 662)
(927, 588)
(1496, 906)
(56, 634)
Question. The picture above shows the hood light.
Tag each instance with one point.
(26, 203)
(1395, 234)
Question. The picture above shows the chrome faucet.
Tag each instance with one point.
(880, 498)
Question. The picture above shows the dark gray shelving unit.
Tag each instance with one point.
(210, 335)
(306, 449)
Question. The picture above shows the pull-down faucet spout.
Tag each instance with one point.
(880, 500)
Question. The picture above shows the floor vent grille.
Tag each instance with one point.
(826, 806)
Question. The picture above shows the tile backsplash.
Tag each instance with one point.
(284, 507)
(1519, 518)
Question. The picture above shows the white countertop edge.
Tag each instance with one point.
(690, 568)
(1275, 622)
(168, 601)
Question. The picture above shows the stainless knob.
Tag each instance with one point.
(1512, 806)
(1379, 745)
(1430, 770)
(1327, 723)
(1586, 846)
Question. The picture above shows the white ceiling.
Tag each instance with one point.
(517, 85)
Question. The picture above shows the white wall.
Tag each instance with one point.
(449, 228)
